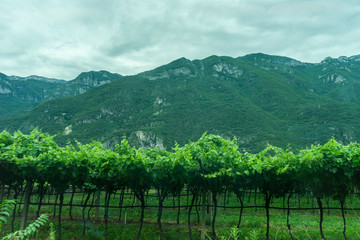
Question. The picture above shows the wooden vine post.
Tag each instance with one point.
(203, 214)
(24, 216)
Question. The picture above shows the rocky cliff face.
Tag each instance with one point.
(144, 140)
(85, 82)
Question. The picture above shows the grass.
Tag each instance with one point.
(305, 223)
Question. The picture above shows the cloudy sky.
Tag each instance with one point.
(61, 38)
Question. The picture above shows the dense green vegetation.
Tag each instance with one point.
(208, 168)
(257, 98)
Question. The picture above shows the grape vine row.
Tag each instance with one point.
(210, 165)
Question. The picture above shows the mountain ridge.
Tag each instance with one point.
(20, 94)
(257, 98)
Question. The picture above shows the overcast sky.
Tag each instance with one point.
(62, 38)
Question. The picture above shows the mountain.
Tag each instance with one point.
(257, 98)
(84, 82)
(20, 94)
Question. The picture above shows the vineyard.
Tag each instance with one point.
(201, 178)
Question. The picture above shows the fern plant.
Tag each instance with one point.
(235, 234)
(52, 235)
(253, 235)
(29, 230)
(6, 208)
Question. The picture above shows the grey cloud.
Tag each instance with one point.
(63, 38)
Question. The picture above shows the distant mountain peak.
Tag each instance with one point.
(100, 72)
(341, 59)
(34, 77)
(355, 58)
(85, 81)
(100, 77)
(180, 62)
(20, 94)
(261, 57)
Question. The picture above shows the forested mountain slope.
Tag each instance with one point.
(257, 98)
(20, 94)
